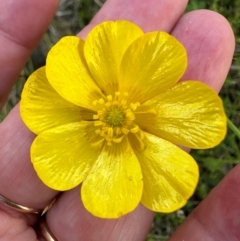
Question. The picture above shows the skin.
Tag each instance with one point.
(209, 41)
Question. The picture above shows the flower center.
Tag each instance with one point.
(115, 117)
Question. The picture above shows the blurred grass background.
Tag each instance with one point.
(73, 15)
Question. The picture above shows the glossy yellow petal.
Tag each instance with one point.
(67, 72)
(104, 48)
(42, 108)
(114, 185)
(152, 64)
(170, 175)
(190, 114)
(62, 157)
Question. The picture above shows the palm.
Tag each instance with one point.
(202, 32)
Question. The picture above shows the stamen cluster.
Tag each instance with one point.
(115, 117)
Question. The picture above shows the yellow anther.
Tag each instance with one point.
(102, 133)
(118, 130)
(98, 131)
(128, 123)
(105, 128)
(108, 105)
(109, 97)
(133, 106)
(101, 112)
(95, 117)
(104, 124)
(135, 129)
(110, 132)
(98, 123)
(117, 140)
(108, 138)
(129, 114)
(101, 118)
(101, 101)
(146, 110)
(97, 143)
(125, 131)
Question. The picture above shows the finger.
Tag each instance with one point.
(217, 217)
(76, 223)
(18, 180)
(29, 19)
(26, 188)
(15, 229)
(204, 33)
(22, 23)
(149, 15)
(200, 46)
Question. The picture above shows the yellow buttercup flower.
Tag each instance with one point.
(106, 112)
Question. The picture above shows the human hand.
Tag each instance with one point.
(209, 43)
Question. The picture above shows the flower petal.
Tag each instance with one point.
(114, 185)
(152, 64)
(68, 73)
(170, 175)
(190, 114)
(42, 108)
(62, 157)
(104, 48)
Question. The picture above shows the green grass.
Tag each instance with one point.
(215, 163)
